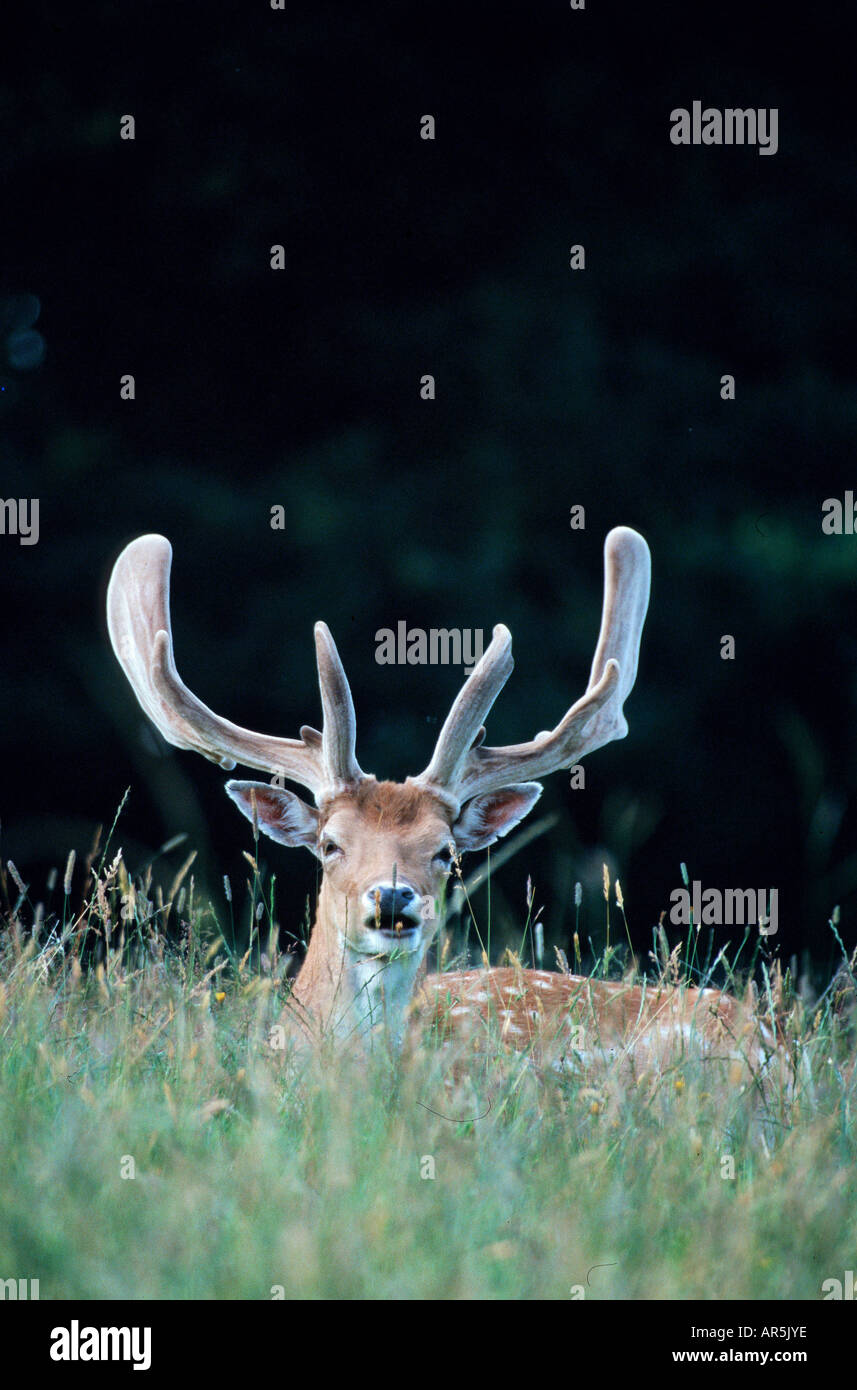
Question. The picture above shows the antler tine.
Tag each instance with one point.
(339, 738)
(627, 581)
(138, 619)
(463, 725)
(597, 717)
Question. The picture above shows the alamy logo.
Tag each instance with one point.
(710, 907)
(440, 646)
(76, 1343)
(732, 126)
(14, 519)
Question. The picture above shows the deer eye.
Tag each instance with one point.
(330, 849)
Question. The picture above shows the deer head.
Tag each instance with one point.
(386, 848)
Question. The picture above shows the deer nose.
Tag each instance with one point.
(386, 904)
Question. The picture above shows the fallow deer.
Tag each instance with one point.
(387, 848)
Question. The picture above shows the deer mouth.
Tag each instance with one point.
(402, 928)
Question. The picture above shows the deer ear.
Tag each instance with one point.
(485, 818)
(280, 814)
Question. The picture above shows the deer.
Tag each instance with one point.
(388, 848)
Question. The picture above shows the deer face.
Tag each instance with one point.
(387, 851)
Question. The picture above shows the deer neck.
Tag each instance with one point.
(348, 995)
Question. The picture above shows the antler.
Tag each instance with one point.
(460, 767)
(138, 618)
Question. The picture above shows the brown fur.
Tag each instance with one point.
(572, 1019)
(389, 805)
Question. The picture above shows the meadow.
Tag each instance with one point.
(154, 1144)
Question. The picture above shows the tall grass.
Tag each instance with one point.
(154, 1144)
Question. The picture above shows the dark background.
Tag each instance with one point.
(554, 388)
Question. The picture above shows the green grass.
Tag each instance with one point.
(254, 1171)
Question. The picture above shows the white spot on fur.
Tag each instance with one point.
(674, 1030)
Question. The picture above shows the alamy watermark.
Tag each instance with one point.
(838, 1289)
(840, 518)
(19, 1289)
(732, 126)
(20, 517)
(440, 646)
(711, 907)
